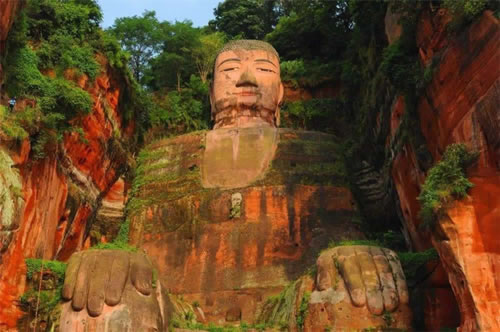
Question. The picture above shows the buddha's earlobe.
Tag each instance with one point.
(212, 101)
(280, 102)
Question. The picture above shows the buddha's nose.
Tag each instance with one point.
(246, 79)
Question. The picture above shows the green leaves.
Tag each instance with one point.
(245, 19)
(445, 182)
(76, 18)
(141, 37)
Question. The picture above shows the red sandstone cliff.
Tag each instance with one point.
(8, 10)
(65, 192)
(460, 105)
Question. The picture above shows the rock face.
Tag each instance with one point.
(63, 193)
(230, 261)
(461, 105)
(8, 10)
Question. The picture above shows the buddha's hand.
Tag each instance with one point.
(371, 275)
(95, 277)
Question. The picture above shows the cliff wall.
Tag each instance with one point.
(460, 105)
(59, 198)
(8, 10)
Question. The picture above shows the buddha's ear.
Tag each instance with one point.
(212, 100)
(280, 102)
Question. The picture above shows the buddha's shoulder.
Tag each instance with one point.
(306, 157)
(286, 139)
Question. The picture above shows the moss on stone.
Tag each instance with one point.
(43, 296)
(34, 265)
(413, 261)
(302, 312)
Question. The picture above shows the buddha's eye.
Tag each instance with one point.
(266, 70)
(230, 69)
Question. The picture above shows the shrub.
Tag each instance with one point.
(34, 265)
(302, 312)
(412, 261)
(400, 65)
(313, 114)
(182, 111)
(465, 11)
(446, 181)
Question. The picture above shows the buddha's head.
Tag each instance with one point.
(247, 89)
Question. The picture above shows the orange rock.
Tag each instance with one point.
(225, 262)
(54, 219)
(461, 105)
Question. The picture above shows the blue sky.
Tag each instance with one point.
(198, 11)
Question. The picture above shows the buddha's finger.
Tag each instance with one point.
(326, 271)
(398, 275)
(141, 273)
(70, 276)
(369, 274)
(82, 281)
(389, 291)
(118, 277)
(349, 269)
(99, 280)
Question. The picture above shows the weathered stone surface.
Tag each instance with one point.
(110, 290)
(460, 105)
(372, 279)
(326, 303)
(62, 192)
(235, 158)
(225, 262)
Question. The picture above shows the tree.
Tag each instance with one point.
(248, 19)
(206, 51)
(141, 36)
(314, 29)
(176, 62)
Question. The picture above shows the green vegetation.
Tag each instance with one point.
(245, 19)
(334, 244)
(388, 319)
(314, 114)
(302, 312)
(121, 240)
(307, 73)
(446, 181)
(464, 12)
(51, 46)
(34, 265)
(44, 292)
(243, 327)
(47, 301)
(277, 309)
(412, 261)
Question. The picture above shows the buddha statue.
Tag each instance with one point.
(231, 216)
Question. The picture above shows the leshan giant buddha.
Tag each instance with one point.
(231, 216)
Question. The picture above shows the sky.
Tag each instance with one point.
(197, 11)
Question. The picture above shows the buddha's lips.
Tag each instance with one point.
(246, 93)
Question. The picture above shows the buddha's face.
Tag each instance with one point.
(247, 89)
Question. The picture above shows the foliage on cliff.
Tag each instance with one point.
(447, 181)
(52, 48)
(42, 299)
